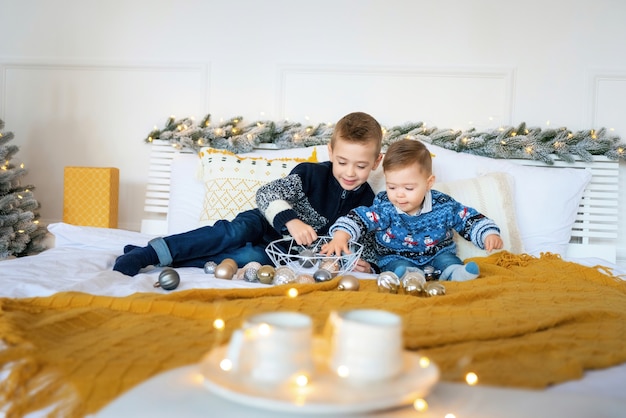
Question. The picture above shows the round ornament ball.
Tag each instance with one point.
(225, 270)
(435, 289)
(265, 274)
(283, 275)
(388, 282)
(348, 282)
(305, 278)
(248, 272)
(169, 279)
(209, 267)
(413, 283)
(322, 275)
(307, 259)
(330, 265)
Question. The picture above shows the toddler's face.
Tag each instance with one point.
(407, 187)
(352, 162)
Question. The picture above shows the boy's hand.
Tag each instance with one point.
(338, 245)
(493, 242)
(303, 234)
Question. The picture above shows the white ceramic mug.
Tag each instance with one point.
(365, 344)
(273, 347)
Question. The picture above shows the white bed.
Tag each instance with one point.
(571, 211)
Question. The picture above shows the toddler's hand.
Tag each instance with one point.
(362, 266)
(338, 245)
(493, 242)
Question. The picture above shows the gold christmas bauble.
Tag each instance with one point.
(348, 283)
(230, 262)
(435, 289)
(388, 282)
(265, 274)
(305, 278)
(226, 269)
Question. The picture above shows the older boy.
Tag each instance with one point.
(413, 223)
(304, 204)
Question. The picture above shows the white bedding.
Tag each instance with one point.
(81, 260)
(83, 257)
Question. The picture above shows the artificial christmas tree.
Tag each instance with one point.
(20, 231)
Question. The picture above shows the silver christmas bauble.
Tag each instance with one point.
(388, 282)
(248, 272)
(209, 267)
(322, 275)
(431, 274)
(307, 258)
(348, 282)
(169, 279)
(283, 275)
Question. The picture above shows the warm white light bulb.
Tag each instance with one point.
(226, 365)
(471, 378)
(420, 405)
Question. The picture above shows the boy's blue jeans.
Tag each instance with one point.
(243, 239)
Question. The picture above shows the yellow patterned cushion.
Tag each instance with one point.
(231, 181)
(90, 196)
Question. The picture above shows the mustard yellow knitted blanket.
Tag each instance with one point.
(527, 322)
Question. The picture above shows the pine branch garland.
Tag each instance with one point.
(509, 142)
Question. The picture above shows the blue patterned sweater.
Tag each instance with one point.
(416, 237)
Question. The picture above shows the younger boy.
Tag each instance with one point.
(304, 205)
(413, 223)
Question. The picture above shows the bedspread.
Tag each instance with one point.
(527, 322)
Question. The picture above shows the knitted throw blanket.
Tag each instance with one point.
(527, 322)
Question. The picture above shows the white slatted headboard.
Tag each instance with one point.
(158, 188)
(594, 234)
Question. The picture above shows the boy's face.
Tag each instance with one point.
(353, 162)
(407, 187)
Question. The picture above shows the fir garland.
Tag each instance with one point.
(519, 142)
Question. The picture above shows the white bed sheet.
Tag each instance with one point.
(83, 257)
(82, 260)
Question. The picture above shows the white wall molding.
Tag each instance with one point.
(463, 97)
(202, 68)
(604, 85)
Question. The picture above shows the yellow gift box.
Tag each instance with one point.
(91, 196)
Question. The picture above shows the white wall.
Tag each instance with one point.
(82, 82)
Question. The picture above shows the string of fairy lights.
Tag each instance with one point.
(506, 142)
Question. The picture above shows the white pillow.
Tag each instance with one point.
(231, 181)
(187, 188)
(546, 198)
(492, 195)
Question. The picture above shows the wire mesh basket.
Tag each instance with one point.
(306, 259)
